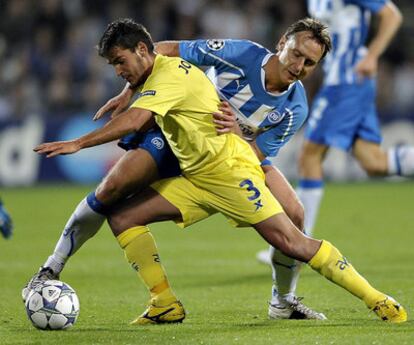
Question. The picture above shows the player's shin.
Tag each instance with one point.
(310, 192)
(141, 252)
(285, 275)
(83, 224)
(330, 263)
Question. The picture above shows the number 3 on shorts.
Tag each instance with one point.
(250, 188)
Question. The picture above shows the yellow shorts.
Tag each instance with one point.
(239, 193)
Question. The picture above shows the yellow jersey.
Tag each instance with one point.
(183, 100)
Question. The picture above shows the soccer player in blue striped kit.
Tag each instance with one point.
(344, 114)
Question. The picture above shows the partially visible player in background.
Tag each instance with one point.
(270, 102)
(344, 113)
(6, 225)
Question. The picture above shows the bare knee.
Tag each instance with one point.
(279, 232)
(310, 160)
(109, 190)
(285, 194)
(372, 158)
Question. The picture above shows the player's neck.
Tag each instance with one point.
(272, 76)
(150, 62)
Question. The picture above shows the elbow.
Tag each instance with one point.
(398, 17)
(133, 121)
(395, 14)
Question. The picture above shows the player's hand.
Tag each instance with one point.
(225, 119)
(116, 104)
(367, 67)
(58, 148)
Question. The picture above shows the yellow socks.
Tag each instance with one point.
(141, 252)
(330, 263)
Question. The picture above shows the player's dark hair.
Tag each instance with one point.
(124, 33)
(319, 31)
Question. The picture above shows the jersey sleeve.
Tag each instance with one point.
(222, 54)
(371, 5)
(270, 141)
(160, 96)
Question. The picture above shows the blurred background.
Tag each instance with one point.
(52, 79)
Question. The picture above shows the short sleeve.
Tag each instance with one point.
(160, 97)
(234, 55)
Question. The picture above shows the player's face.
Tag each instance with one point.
(298, 56)
(133, 66)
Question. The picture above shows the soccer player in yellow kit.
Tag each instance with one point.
(221, 173)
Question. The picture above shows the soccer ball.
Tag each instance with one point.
(52, 305)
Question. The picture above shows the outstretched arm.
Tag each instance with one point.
(131, 120)
(390, 20)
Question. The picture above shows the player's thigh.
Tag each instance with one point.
(285, 194)
(143, 208)
(311, 158)
(186, 197)
(241, 195)
(135, 170)
(281, 233)
(371, 156)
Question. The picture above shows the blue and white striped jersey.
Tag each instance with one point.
(348, 22)
(237, 72)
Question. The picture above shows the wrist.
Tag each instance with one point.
(374, 50)
(79, 143)
(373, 55)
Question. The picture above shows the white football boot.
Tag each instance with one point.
(45, 273)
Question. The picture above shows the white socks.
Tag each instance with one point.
(310, 192)
(401, 161)
(285, 276)
(81, 226)
(286, 270)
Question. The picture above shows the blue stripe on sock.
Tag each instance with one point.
(397, 160)
(72, 242)
(95, 204)
(308, 184)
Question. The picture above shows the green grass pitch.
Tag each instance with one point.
(213, 270)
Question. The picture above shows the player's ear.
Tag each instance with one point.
(281, 43)
(141, 49)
